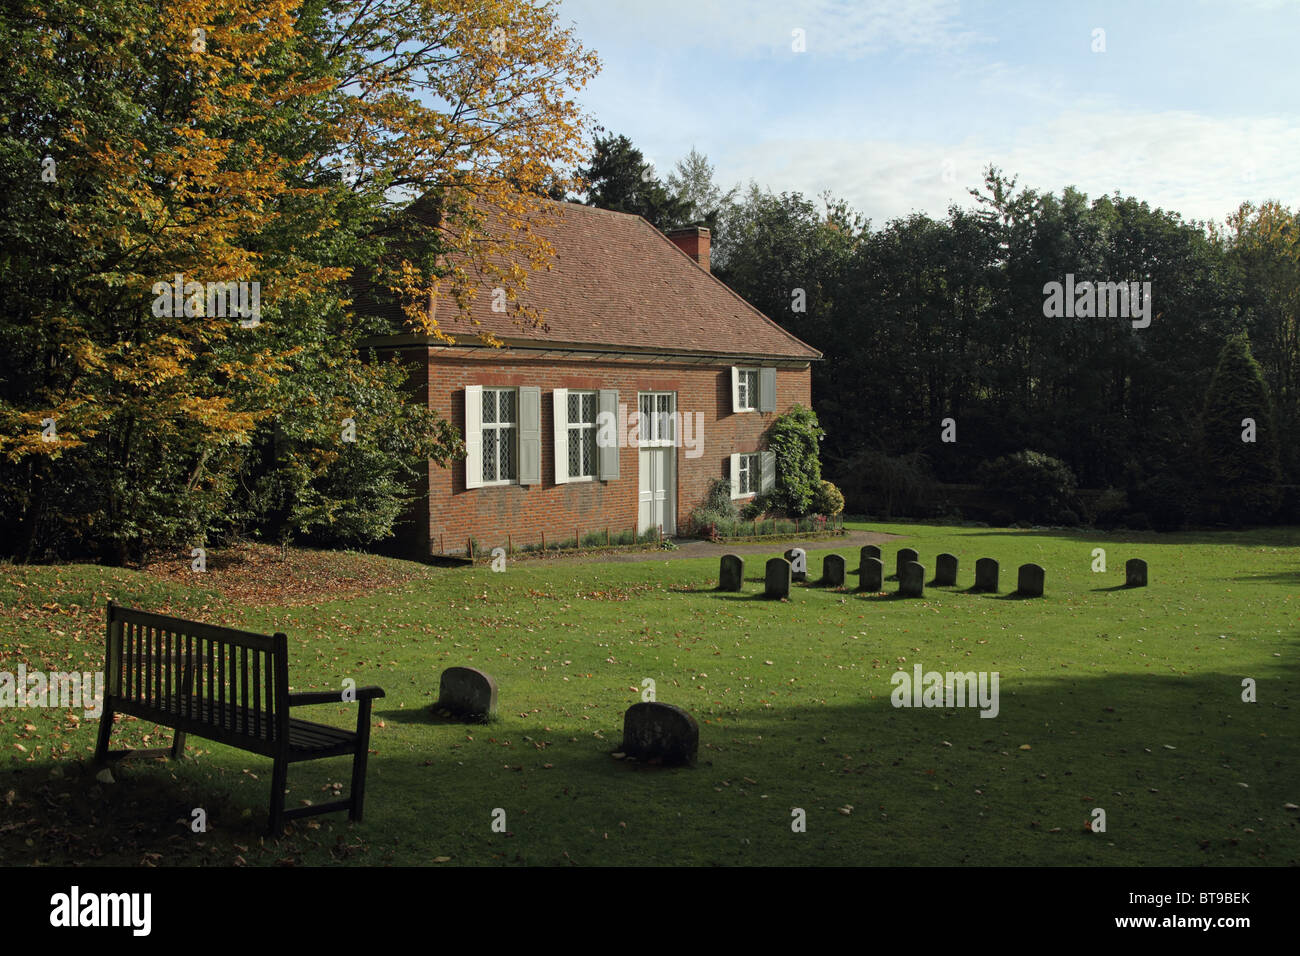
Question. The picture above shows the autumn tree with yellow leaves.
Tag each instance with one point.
(191, 189)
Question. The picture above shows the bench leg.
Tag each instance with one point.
(279, 778)
(359, 762)
(178, 745)
(105, 731)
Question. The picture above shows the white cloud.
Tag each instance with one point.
(1202, 167)
(832, 28)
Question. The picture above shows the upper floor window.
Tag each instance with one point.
(747, 389)
(753, 389)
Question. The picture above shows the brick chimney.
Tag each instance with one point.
(694, 241)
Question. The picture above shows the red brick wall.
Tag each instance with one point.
(451, 512)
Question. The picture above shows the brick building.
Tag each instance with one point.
(651, 379)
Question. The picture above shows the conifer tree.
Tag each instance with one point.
(1238, 439)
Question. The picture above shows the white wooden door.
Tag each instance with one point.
(657, 497)
(657, 472)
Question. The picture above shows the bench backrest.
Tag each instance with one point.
(223, 684)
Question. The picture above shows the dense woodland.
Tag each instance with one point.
(923, 320)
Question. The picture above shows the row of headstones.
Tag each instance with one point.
(781, 572)
(652, 731)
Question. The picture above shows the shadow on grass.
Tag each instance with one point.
(1166, 755)
(1273, 535)
(428, 716)
(1280, 577)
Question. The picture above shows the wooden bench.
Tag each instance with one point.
(230, 686)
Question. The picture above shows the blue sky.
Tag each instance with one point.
(1193, 106)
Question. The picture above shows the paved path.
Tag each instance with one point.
(697, 548)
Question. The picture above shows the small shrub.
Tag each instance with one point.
(1112, 503)
(828, 500)
(889, 485)
(716, 508)
(701, 520)
(1138, 521)
(1038, 485)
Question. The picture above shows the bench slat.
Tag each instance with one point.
(257, 693)
(221, 680)
(197, 628)
(155, 688)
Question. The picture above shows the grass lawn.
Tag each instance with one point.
(1127, 700)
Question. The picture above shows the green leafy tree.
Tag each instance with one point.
(1263, 250)
(619, 178)
(1238, 439)
(692, 181)
(256, 141)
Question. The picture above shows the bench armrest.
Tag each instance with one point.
(333, 696)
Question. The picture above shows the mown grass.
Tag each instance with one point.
(1127, 700)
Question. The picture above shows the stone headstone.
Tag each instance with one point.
(986, 575)
(662, 733)
(869, 551)
(873, 575)
(911, 580)
(833, 571)
(1030, 581)
(1135, 573)
(904, 555)
(776, 578)
(945, 570)
(798, 559)
(467, 693)
(731, 573)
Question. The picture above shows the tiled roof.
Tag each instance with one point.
(617, 283)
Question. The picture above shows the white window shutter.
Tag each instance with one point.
(735, 476)
(607, 453)
(735, 389)
(530, 435)
(561, 420)
(767, 460)
(473, 436)
(766, 390)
